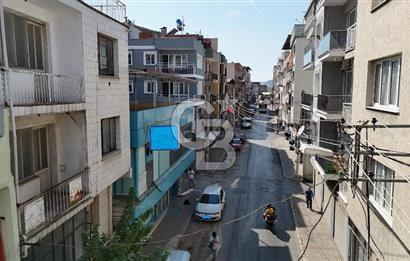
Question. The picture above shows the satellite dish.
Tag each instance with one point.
(179, 22)
(301, 130)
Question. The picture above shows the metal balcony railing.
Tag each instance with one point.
(29, 88)
(183, 68)
(332, 103)
(45, 208)
(351, 38)
(307, 99)
(333, 40)
(309, 56)
(113, 8)
(211, 76)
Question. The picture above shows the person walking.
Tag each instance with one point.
(309, 196)
(213, 245)
(191, 177)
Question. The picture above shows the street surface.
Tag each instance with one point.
(255, 180)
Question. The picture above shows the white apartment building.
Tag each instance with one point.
(66, 83)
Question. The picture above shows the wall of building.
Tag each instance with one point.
(383, 31)
(9, 225)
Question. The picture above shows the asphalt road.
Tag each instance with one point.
(255, 180)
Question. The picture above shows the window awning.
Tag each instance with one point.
(322, 173)
(310, 149)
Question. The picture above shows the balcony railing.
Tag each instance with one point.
(307, 99)
(211, 76)
(309, 56)
(30, 88)
(45, 208)
(113, 8)
(333, 40)
(332, 103)
(351, 38)
(183, 68)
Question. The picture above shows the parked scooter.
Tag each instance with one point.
(270, 217)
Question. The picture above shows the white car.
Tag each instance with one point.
(211, 204)
(179, 255)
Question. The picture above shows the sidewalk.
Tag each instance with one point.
(321, 245)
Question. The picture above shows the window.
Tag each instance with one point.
(149, 87)
(199, 61)
(24, 40)
(150, 58)
(32, 151)
(109, 135)
(105, 56)
(179, 88)
(351, 18)
(131, 86)
(129, 57)
(386, 82)
(381, 192)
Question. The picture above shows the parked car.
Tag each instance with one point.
(179, 255)
(211, 204)
(236, 143)
(246, 123)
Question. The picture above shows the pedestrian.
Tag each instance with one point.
(309, 196)
(213, 244)
(191, 177)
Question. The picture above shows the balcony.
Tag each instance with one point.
(45, 208)
(183, 68)
(332, 104)
(307, 99)
(332, 47)
(29, 88)
(308, 58)
(351, 38)
(211, 76)
(113, 8)
(211, 54)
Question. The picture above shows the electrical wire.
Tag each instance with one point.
(384, 157)
(391, 195)
(317, 223)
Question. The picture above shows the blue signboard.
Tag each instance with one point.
(165, 137)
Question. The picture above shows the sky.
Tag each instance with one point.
(251, 32)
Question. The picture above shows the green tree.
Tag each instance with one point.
(127, 242)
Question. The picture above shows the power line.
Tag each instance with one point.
(317, 223)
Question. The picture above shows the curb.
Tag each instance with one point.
(298, 233)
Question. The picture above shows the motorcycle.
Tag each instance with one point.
(270, 221)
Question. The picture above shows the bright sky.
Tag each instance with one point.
(251, 32)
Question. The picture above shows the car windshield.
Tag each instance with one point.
(209, 199)
(236, 141)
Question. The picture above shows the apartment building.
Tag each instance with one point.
(69, 122)
(165, 69)
(241, 76)
(380, 92)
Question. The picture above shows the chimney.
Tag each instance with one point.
(163, 31)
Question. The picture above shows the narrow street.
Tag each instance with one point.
(255, 180)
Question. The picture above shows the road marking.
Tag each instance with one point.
(235, 183)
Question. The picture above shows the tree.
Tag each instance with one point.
(127, 242)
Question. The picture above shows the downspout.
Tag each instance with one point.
(11, 105)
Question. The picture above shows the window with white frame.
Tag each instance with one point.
(149, 87)
(381, 192)
(24, 40)
(150, 58)
(386, 82)
(32, 151)
(179, 88)
(129, 57)
(131, 86)
(199, 61)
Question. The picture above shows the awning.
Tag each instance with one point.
(310, 149)
(322, 173)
